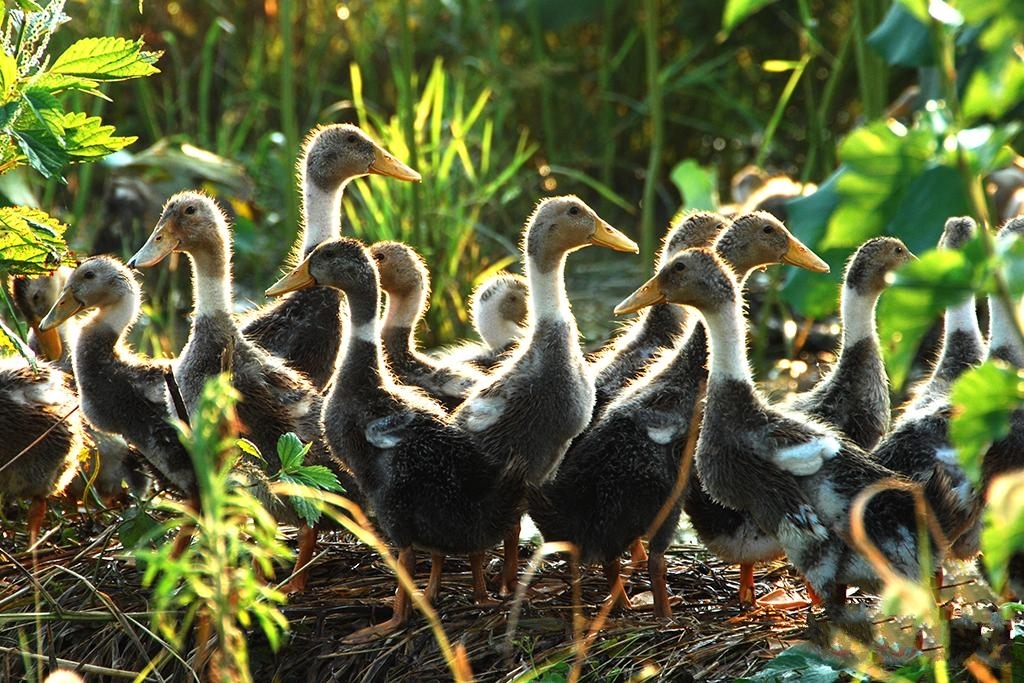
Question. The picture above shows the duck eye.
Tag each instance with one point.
(574, 210)
(768, 229)
(190, 209)
(678, 266)
(351, 138)
(89, 275)
(899, 249)
(379, 257)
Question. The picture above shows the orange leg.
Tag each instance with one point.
(616, 589)
(637, 553)
(307, 544)
(480, 594)
(184, 535)
(434, 584)
(36, 513)
(510, 571)
(402, 606)
(747, 584)
(656, 568)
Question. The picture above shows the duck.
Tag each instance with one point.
(120, 392)
(431, 485)
(302, 328)
(963, 345)
(405, 280)
(657, 327)
(853, 396)
(626, 466)
(275, 397)
(795, 475)
(497, 310)
(531, 406)
(41, 433)
(110, 463)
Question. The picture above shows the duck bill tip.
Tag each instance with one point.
(607, 236)
(387, 165)
(800, 256)
(300, 278)
(648, 295)
(65, 307)
(49, 342)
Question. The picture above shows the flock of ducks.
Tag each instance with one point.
(447, 451)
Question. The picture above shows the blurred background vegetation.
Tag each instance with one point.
(497, 104)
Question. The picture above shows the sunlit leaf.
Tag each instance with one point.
(983, 398)
(697, 184)
(31, 241)
(87, 137)
(318, 477)
(43, 152)
(814, 294)
(928, 200)
(917, 9)
(8, 75)
(736, 11)
(1003, 533)
(291, 451)
(902, 39)
(106, 59)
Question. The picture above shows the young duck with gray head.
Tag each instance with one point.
(111, 462)
(404, 276)
(432, 487)
(121, 392)
(656, 328)
(537, 401)
(854, 396)
(36, 403)
(498, 310)
(275, 398)
(303, 327)
(625, 467)
(963, 345)
(794, 475)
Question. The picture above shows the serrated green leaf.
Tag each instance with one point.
(983, 399)
(87, 137)
(43, 152)
(292, 452)
(31, 241)
(738, 10)
(106, 59)
(59, 83)
(303, 505)
(1003, 533)
(45, 110)
(317, 477)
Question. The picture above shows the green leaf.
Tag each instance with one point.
(318, 477)
(983, 398)
(59, 83)
(1003, 533)
(803, 663)
(814, 294)
(45, 110)
(250, 449)
(697, 184)
(738, 10)
(88, 138)
(928, 200)
(291, 452)
(902, 39)
(8, 75)
(106, 59)
(917, 9)
(136, 525)
(31, 241)
(43, 151)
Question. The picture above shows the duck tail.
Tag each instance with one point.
(510, 494)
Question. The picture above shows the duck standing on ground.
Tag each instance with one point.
(430, 485)
(854, 396)
(40, 434)
(303, 327)
(532, 406)
(404, 277)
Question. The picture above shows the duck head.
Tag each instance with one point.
(562, 224)
(868, 270)
(693, 277)
(336, 153)
(189, 220)
(34, 296)
(758, 239)
(344, 264)
(499, 308)
(403, 273)
(98, 282)
(695, 229)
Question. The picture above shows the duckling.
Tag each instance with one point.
(617, 475)
(431, 485)
(111, 462)
(302, 328)
(498, 311)
(40, 433)
(404, 276)
(121, 392)
(854, 396)
(657, 327)
(794, 475)
(537, 401)
(963, 346)
(275, 398)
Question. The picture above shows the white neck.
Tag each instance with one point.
(858, 314)
(497, 331)
(548, 300)
(321, 215)
(211, 278)
(963, 317)
(402, 311)
(1002, 328)
(727, 345)
(117, 317)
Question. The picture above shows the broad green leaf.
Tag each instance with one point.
(106, 59)
(1003, 533)
(291, 451)
(738, 10)
(983, 399)
(815, 294)
(303, 506)
(929, 199)
(697, 185)
(318, 477)
(8, 112)
(43, 151)
(801, 663)
(31, 241)
(994, 87)
(136, 525)
(87, 137)
(987, 148)
(919, 294)
(917, 9)
(59, 83)
(902, 39)
(45, 110)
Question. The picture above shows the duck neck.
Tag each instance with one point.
(1004, 342)
(112, 321)
(727, 346)
(548, 300)
(211, 277)
(963, 317)
(858, 314)
(361, 352)
(495, 330)
(321, 214)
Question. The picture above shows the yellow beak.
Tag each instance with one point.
(797, 254)
(300, 278)
(156, 248)
(385, 164)
(607, 236)
(648, 294)
(67, 305)
(49, 342)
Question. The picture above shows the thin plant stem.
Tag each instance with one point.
(648, 236)
(289, 123)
